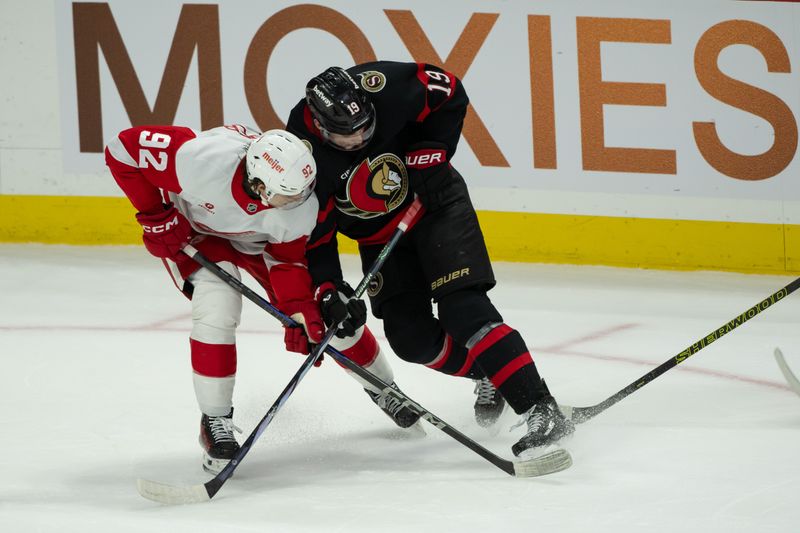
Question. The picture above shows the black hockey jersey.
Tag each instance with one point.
(362, 194)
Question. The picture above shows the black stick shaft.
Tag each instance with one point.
(582, 414)
(214, 485)
(503, 464)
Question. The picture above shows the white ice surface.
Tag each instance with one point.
(96, 391)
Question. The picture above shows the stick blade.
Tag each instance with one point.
(172, 494)
(791, 379)
(578, 415)
(549, 463)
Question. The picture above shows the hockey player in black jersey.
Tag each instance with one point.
(380, 133)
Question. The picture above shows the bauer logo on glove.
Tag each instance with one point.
(429, 173)
(425, 158)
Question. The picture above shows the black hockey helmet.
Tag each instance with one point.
(339, 104)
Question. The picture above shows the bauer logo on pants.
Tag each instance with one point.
(449, 277)
(375, 285)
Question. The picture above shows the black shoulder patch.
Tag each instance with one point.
(372, 81)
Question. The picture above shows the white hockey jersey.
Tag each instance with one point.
(202, 174)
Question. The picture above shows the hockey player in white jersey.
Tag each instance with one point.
(246, 201)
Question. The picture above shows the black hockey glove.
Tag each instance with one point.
(339, 307)
(429, 173)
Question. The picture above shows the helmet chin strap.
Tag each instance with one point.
(247, 185)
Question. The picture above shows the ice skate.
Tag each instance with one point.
(218, 442)
(546, 425)
(489, 403)
(394, 408)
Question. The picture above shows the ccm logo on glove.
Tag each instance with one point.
(165, 233)
(425, 158)
(161, 228)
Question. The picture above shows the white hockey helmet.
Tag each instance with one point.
(280, 169)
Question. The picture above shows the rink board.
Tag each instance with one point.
(521, 237)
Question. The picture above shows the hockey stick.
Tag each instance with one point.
(548, 463)
(165, 493)
(791, 379)
(551, 462)
(582, 414)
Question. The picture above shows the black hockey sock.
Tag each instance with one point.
(452, 360)
(502, 356)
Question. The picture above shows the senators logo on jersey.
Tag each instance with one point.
(375, 187)
(372, 80)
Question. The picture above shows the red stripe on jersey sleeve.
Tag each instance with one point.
(422, 76)
(290, 278)
(323, 240)
(291, 283)
(452, 89)
(154, 149)
(324, 212)
(425, 79)
(288, 252)
(144, 196)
